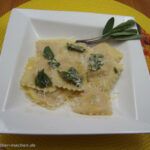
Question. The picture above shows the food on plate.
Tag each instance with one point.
(63, 71)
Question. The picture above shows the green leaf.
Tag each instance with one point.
(123, 26)
(75, 47)
(120, 32)
(71, 76)
(42, 80)
(47, 53)
(115, 70)
(124, 33)
(109, 26)
(95, 62)
(54, 63)
(125, 38)
(132, 30)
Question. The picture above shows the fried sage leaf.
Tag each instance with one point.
(72, 76)
(42, 80)
(75, 47)
(54, 63)
(95, 62)
(48, 54)
(115, 70)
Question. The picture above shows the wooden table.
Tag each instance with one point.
(141, 5)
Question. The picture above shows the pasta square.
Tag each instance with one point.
(50, 100)
(92, 102)
(34, 65)
(67, 59)
(108, 51)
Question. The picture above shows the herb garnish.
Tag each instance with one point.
(95, 62)
(42, 80)
(71, 76)
(48, 54)
(115, 70)
(121, 32)
(53, 63)
(75, 47)
(109, 25)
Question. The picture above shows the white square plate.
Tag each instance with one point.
(18, 115)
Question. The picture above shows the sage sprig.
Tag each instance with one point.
(121, 32)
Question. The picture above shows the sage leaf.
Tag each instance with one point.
(115, 70)
(125, 38)
(71, 76)
(132, 30)
(123, 26)
(47, 53)
(109, 26)
(123, 33)
(75, 47)
(42, 80)
(54, 63)
(95, 62)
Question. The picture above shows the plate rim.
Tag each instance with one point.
(5, 53)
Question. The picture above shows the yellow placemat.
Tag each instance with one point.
(102, 142)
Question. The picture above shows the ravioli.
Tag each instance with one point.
(92, 102)
(108, 51)
(68, 59)
(106, 77)
(92, 96)
(57, 47)
(34, 65)
(59, 82)
(50, 100)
